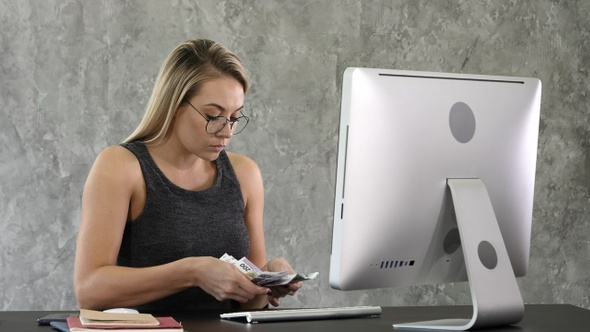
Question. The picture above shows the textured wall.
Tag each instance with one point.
(75, 76)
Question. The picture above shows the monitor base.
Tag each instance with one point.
(494, 291)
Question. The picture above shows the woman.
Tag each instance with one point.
(160, 209)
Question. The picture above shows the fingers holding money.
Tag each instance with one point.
(285, 288)
(277, 275)
(278, 292)
(242, 291)
(225, 281)
(278, 264)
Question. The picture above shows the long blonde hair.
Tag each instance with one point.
(184, 71)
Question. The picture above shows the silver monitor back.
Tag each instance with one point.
(402, 134)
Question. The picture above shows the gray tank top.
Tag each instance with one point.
(178, 223)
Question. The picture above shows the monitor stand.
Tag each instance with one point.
(494, 291)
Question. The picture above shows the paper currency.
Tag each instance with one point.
(265, 278)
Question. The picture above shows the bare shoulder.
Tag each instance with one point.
(243, 164)
(118, 162)
(250, 180)
(117, 155)
(248, 174)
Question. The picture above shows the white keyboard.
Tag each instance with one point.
(276, 315)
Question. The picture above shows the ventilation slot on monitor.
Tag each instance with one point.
(395, 264)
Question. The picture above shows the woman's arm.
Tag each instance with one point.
(115, 180)
(251, 183)
(250, 179)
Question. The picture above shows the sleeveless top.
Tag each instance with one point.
(177, 223)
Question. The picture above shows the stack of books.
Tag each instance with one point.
(96, 321)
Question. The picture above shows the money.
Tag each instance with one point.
(265, 278)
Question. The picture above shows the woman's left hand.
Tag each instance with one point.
(280, 264)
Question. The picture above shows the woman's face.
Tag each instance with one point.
(218, 97)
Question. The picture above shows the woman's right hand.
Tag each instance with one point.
(225, 281)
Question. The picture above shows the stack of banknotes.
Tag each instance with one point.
(265, 278)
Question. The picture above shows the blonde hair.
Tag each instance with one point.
(184, 71)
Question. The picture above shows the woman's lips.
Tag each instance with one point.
(217, 147)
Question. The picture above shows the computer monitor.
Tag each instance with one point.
(434, 184)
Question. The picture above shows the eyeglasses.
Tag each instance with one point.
(216, 123)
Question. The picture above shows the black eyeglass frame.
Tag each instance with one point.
(216, 118)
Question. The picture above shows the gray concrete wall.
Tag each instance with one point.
(75, 76)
